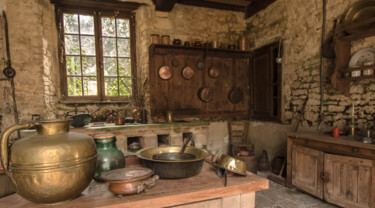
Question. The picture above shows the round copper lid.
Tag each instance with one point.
(104, 136)
(128, 174)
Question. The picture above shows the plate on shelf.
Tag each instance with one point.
(360, 11)
(362, 56)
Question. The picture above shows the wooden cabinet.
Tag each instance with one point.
(340, 171)
(307, 164)
(180, 95)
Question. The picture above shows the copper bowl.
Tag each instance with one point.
(231, 164)
(132, 180)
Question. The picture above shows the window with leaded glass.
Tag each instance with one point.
(97, 55)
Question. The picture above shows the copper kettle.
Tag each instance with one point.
(52, 166)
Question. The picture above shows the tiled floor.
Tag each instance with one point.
(278, 196)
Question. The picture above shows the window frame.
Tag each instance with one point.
(98, 14)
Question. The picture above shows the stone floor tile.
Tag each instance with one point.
(261, 201)
(278, 196)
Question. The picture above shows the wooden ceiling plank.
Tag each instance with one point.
(164, 5)
(213, 5)
(257, 6)
(107, 5)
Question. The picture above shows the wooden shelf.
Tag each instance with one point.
(342, 49)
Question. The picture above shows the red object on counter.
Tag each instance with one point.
(336, 132)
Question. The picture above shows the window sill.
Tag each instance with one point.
(94, 102)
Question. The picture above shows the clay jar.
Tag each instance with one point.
(165, 39)
(263, 162)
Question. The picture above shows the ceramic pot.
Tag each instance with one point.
(52, 166)
(263, 162)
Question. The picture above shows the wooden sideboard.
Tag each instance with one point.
(203, 190)
(339, 170)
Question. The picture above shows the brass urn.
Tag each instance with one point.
(52, 166)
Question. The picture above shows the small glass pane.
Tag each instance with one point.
(73, 65)
(125, 67)
(111, 86)
(123, 28)
(110, 67)
(123, 47)
(71, 23)
(86, 24)
(89, 66)
(125, 86)
(90, 86)
(72, 44)
(74, 86)
(109, 46)
(88, 45)
(108, 26)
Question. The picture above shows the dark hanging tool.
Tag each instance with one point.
(9, 72)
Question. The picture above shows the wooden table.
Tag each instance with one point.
(205, 189)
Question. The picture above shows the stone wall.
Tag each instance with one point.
(34, 50)
(299, 24)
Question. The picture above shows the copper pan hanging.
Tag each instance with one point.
(165, 72)
(214, 71)
(205, 94)
(187, 71)
(235, 95)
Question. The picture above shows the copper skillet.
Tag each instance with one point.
(214, 72)
(235, 95)
(165, 72)
(187, 71)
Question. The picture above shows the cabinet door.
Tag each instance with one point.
(349, 182)
(307, 165)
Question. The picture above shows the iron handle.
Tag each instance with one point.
(325, 177)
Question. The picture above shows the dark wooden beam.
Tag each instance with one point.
(257, 6)
(164, 5)
(213, 5)
(107, 5)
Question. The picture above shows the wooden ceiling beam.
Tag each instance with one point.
(164, 5)
(257, 6)
(213, 5)
(107, 5)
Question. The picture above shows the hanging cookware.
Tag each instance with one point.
(235, 95)
(201, 62)
(51, 166)
(214, 71)
(187, 71)
(175, 61)
(132, 180)
(165, 72)
(205, 93)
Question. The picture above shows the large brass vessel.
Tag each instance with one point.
(52, 166)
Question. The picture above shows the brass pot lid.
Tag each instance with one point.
(214, 72)
(231, 164)
(360, 11)
(127, 174)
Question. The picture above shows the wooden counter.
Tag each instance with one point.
(338, 170)
(205, 189)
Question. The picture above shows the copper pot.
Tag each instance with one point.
(243, 44)
(165, 39)
(119, 120)
(155, 39)
(132, 180)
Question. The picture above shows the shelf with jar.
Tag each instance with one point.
(345, 72)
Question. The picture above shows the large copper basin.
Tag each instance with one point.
(173, 168)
